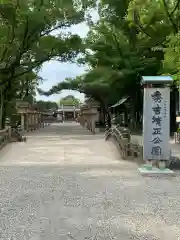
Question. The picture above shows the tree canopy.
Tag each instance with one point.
(46, 105)
(69, 100)
(132, 38)
(27, 41)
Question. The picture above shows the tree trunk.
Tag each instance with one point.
(133, 118)
(102, 116)
(125, 117)
(4, 103)
(7, 96)
(1, 108)
(173, 103)
(105, 109)
(108, 120)
(4, 114)
(107, 114)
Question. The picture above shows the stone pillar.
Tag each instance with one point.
(40, 120)
(34, 121)
(93, 124)
(81, 119)
(85, 121)
(26, 122)
(89, 123)
(30, 121)
(63, 116)
(156, 121)
(22, 122)
(74, 112)
(37, 120)
(9, 132)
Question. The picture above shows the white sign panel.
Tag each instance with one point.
(156, 125)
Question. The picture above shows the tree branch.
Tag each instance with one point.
(10, 41)
(53, 29)
(32, 33)
(143, 30)
(119, 49)
(138, 23)
(175, 8)
(34, 65)
(175, 28)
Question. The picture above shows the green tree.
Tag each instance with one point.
(69, 100)
(159, 24)
(46, 105)
(26, 40)
(131, 39)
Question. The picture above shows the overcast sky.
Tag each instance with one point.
(54, 72)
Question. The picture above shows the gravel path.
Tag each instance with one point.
(65, 183)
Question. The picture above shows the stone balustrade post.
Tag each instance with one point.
(22, 121)
(9, 132)
(27, 123)
(30, 121)
(93, 124)
(40, 120)
(33, 121)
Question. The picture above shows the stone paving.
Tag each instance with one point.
(65, 183)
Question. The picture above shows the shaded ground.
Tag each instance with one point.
(65, 183)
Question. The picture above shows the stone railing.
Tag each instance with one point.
(136, 152)
(14, 134)
(88, 122)
(177, 137)
(91, 126)
(4, 136)
(122, 138)
(37, 125)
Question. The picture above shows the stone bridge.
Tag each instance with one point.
(65, 183)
